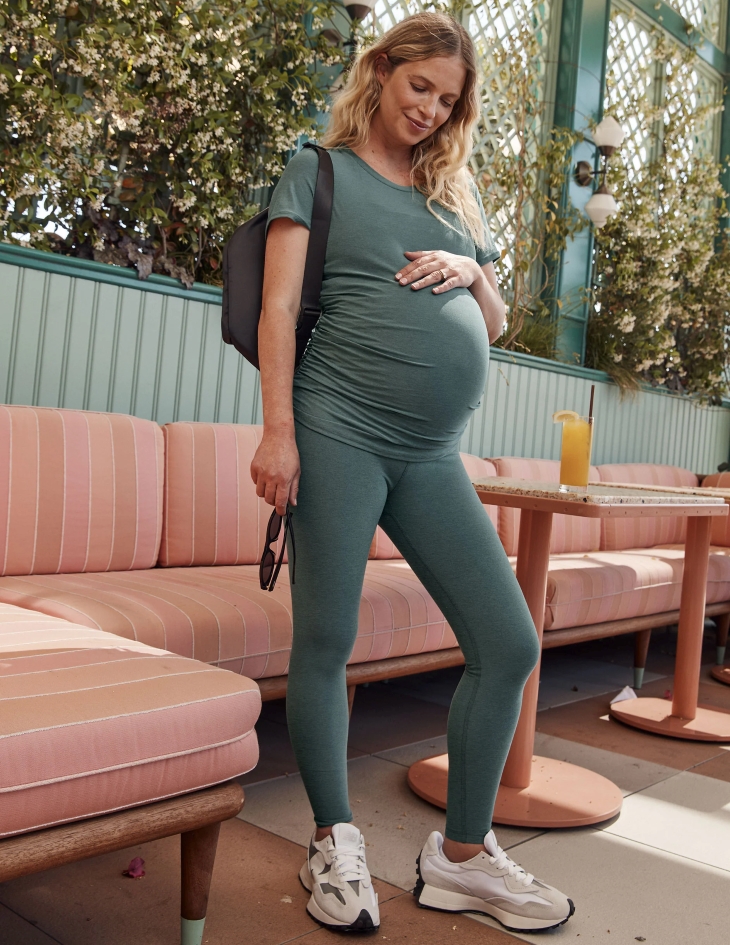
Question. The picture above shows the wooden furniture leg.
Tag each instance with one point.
(196, 816)
(720, 671)
(197, 857)
(642, 638)
(684, 718)
(723, 625)
(535, 792)
(350, 698)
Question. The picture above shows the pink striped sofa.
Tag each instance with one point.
(129, 582)
(154, 534)
(105, 741)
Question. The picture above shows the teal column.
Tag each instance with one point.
(579, 93)
(725, 128)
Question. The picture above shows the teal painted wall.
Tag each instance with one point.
(92, 336)
(515, 418)
(118, 345)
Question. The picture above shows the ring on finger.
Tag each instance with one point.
(442, 273)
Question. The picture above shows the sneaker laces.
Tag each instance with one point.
(503, 862)
(349, 863)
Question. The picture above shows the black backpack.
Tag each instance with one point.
(243, 272)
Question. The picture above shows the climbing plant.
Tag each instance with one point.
(661, 296)
(139, 133)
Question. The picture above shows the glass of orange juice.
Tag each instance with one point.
(575, 454)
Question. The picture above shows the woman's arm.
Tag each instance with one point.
(445, 271)
(275, 466)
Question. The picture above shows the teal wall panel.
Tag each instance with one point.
(71, 341)
(515, 418)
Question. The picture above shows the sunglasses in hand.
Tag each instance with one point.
(270, 567)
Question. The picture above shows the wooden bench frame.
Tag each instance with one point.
(274, 687)
(197, 817)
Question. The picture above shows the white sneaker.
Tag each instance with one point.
(489, 883)
(337, 876)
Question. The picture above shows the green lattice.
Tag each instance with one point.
(705, 15)
(647, 80)
(632, 80)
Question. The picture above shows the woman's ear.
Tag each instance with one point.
(383, 68)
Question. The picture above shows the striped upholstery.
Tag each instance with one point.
(720, 526)
(79, 491)
(221, 616)
(212, 512)
(570, 533)
(617, 534)
(594, 588)
(718, 570)
(90, 723)
(382, 547)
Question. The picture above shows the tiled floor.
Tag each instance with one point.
(659, 872)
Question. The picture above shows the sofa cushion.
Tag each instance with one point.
(620, 533)
(91, 723)
(570, 532)
(221, 616)
(382, 547)
(718, 569)
(720, 526)
(602, 586)
(79, 491)
(212, 513)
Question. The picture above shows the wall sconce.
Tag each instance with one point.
(357, 13)
(360, 11)
(607, 137)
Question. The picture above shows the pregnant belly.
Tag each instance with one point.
(449, 377)
(420, 366)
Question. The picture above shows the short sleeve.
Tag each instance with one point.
(489, 252)
(294, 194)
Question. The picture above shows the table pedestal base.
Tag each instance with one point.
(654, 715)
(559, 794)
(722, 674)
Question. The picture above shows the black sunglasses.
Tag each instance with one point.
(270, 567)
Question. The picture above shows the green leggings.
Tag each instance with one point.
(432, 513)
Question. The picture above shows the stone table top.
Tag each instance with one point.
(676, 490)
(596, 501)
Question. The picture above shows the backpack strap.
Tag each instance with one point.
(318, 233)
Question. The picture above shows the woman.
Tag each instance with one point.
(370, 423)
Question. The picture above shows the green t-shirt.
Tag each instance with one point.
(390, 370)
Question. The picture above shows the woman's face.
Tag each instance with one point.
(418, 97)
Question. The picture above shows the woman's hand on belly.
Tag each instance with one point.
(442, 270)
(447, 271)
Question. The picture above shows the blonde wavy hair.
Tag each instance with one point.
(440, 162)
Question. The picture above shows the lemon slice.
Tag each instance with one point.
(561, 416)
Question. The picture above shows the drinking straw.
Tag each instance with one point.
(590, 408)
